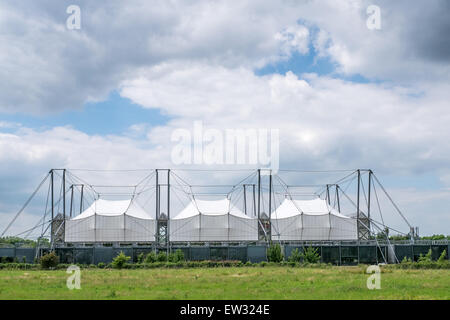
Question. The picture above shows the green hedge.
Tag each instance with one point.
(420, 265)
(221, 264)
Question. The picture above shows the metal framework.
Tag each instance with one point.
(260, 193)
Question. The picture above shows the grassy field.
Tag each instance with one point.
(226, 283)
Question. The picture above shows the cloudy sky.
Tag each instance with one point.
(343, 95)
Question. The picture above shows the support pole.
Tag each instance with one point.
(357, 204)
(168, 209)
(245, 200)
(157, 195)
(259, 194)
(260, 224)
(64, 193)
(81, 198)
(368, 200)
(71, 200)
(328, 194)
(64, 202)
(270, 193)
(269, 232)
(254, 200)
(52, 177)
(337, 197)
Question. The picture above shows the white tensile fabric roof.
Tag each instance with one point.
(210, 208)
(114, 208)
(290, 208)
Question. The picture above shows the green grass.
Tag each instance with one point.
(226, 283)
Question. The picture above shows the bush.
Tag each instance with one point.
(274, 253)
(406, 260)
(310, 255)
(140, 258)
(120, 261)
(179, 255)
(295, 256)
(176, 256)
(161, 257)
(150, 258)
(425, 258)
(101, 265)
(49, 260)
(442, 259)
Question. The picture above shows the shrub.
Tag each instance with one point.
(425, 258)
(406, 260)
(176, 256)
(150, 258)
(179, 255)
(295, 256)
(310, 255)
(442, 258)
(140, 258)
(49, 260)
(274, 253)
(161, 257)
(101, 265)
(120, 261)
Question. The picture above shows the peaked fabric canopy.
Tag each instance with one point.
(311, 220)
(115, 208)
(210, 208)
(111, 221)
(212, 220)
(316, 206)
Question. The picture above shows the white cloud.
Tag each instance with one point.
(62, 69)
(366, 124)
(294, 39)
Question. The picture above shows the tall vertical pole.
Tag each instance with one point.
(269, 232)
(64, 202)
(368, 200)
(245, 200)
(328, 194)
(259, 194)
(158, 236)
(168, 209)
(81, 198)
(270, 193)
(357, 204)
(157, 194)
(337, 197)
(64, 193)
(53, 205)
(71, 200)
(254, 200)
